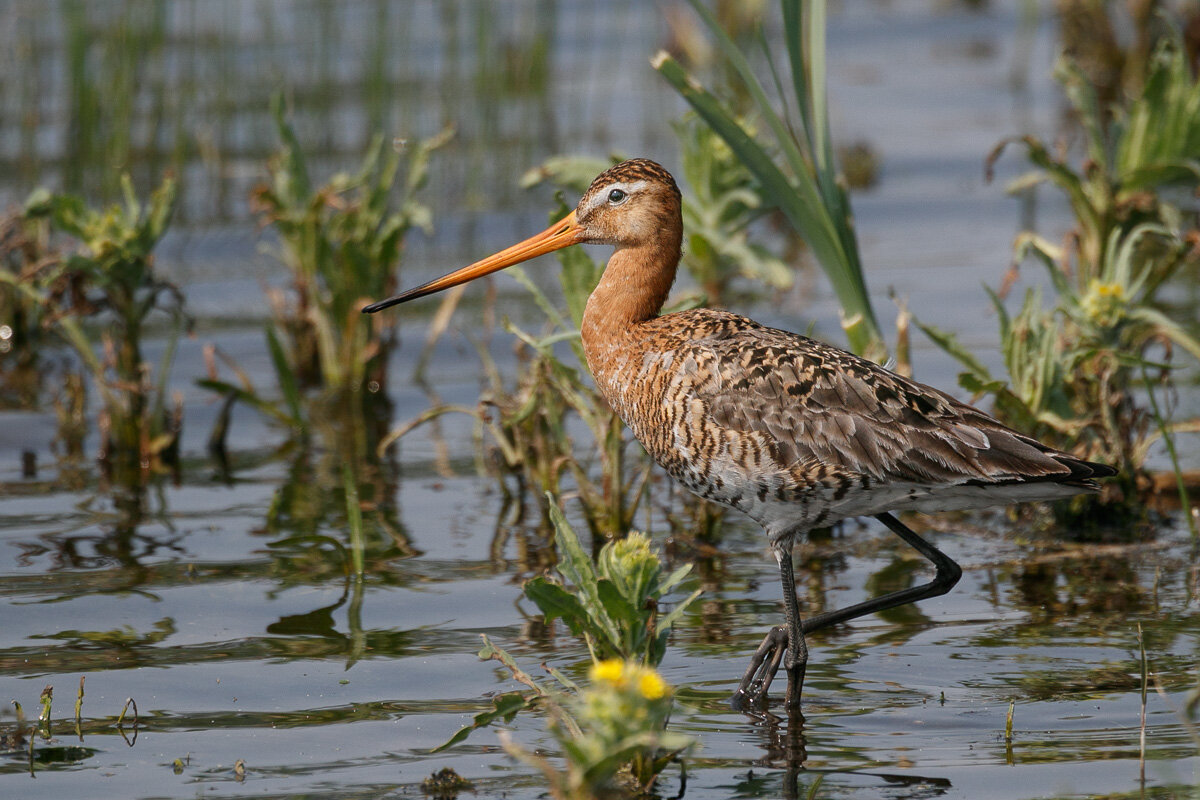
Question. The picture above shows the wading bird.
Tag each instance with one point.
(794, 433)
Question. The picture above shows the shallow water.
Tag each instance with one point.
(222, 605)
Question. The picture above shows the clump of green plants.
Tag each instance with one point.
(614, 604)
(1079, 371)
(341, 243)
(613, 735)
(1076, 371)
(792, 160)
(110, 281)
(719, 208)
(1139, 165)
(612, 731)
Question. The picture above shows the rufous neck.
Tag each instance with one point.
(632, 289)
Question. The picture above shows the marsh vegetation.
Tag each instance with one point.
(269, 530)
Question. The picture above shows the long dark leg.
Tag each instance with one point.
(797, 651)
(948, 573)
(765, 663)
(770, 654)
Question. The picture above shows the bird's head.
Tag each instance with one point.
(631, 204)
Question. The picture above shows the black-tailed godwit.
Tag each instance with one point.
(794, 433)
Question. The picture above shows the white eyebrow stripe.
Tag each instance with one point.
(625, 186)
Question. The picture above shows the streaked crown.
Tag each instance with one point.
(631, 203)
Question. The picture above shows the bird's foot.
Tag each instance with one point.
(751, 694)
(795, 686)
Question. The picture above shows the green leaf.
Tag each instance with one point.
(573, 563)
(950, 344)
(504, 707)
(288, 383)
(668, 620)
(555, 602)
(618, 608)
(673, 579)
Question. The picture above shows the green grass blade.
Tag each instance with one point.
(732, 54)
(287, 379)
(264, 407)
(819, 124)
(793, 27)
(669, 583)
(354, 521)
(949, 343)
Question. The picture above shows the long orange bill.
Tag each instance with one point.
(563, 233)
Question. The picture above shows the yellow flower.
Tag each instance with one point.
(608, 671)
(1104, 303)
(651, 685)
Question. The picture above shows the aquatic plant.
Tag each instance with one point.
(1139, 164)
(612, 732)
(111, 278)
(806, 188)
(1075, 370)
(13, 740)
(615, 726)
(341, 243)
(614, 604)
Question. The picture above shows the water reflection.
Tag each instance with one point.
(120, 536)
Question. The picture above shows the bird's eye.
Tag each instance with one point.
(616, 196)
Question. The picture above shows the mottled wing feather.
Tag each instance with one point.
(822, 405)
